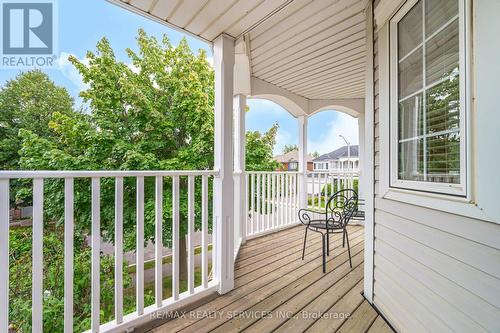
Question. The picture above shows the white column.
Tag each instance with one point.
(223, 162)
(240, 215)
(302, 120)
(368, 162)
(361, 154)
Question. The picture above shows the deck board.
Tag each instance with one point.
(273, 286)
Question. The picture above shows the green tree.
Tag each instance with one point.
(259, 150)
(289, 148)
(154, 114)
(28, 102)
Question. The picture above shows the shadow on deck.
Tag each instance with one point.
(276, 291)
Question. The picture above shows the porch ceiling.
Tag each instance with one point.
(315, 49)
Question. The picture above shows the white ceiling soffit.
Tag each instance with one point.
(313, 48)
(207, 19)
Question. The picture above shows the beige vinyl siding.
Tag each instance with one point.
(433, 271)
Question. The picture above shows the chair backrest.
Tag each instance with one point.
(341, 207)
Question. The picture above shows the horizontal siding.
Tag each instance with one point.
(433, 271)
(483, 313)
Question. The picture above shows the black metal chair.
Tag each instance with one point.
(339, 210)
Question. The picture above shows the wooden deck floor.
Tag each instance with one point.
(276, 291)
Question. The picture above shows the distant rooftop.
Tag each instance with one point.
(291, 156)
(339, 153)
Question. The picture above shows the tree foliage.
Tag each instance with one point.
(28, 102)
(289, 148)
(259, 150)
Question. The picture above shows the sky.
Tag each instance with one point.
(81, 24)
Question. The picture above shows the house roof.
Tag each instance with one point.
(291, 156)
(339, 153)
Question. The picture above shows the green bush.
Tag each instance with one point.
(20, 282)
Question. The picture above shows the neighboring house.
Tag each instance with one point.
(339, 159)
(290, 161)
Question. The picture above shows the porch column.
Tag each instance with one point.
(302, 120)
(240, 180)
(361, 154)
(223, 162)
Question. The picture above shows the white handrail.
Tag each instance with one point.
(111, 173)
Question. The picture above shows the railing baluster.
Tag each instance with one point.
(159, 240)
(258, 204)
(268, 201)
(321, 188)
(247, 205)
(318, 193)
(273, 200)
(140, 247)
(190, 239)
(289, 199)
(313, 195)
(294, 197)
(4, 254)
(282, 199)
(204, 231)
(252, 204)
(175, 237)
(325, 186)
(285, 197)
(37, 256)
(68, 255)
(263, 202)
(119, 250)
(96, 254)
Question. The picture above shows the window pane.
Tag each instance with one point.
(410, 30)
(410, 117)
(429, 103)
(442, 54)
(410, 74)
(443, 106)
(411, 160)
(437, 13)
(443, 158)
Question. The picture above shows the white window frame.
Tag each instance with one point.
(460, 189)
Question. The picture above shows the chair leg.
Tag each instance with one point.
(348, 248)
(324, 254)
(304, 247)
(328, 244)
(343, 238)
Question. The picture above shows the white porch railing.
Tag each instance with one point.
(141, 313)
(322, 184)
(272, 201)
(273, 197)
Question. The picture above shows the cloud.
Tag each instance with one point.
(283, 138)
(133, 68)
(210, 61)
(342, 124)
(70, 72)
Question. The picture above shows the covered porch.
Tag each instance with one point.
(307, 56)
